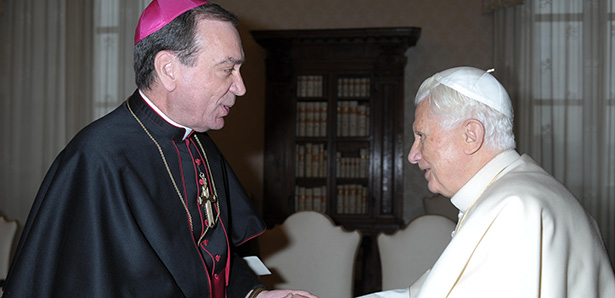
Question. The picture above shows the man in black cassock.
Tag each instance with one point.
(141, 203)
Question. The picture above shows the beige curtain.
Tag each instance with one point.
(63, 63)
(557, 60)
(33, 97)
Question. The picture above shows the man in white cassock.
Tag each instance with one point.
(520, 232)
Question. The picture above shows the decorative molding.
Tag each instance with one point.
(385, 46)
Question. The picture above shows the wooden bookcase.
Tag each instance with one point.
(334, 130)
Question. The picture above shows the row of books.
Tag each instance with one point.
(353, 87)
(352, 119)
(311, 198)
(312, 86)
(311, 160)
(352, 199)
(353, 167)
(309, 86)
(311, 119)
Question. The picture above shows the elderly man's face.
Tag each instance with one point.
(437, 152)
(207, 90)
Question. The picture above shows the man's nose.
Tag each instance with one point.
(238, 88)
(415, 154)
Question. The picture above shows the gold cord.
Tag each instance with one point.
(479, 196)
(164, 160)
(213, 183)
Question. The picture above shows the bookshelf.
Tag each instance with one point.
(334, 130)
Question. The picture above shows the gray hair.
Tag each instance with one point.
(178, 36)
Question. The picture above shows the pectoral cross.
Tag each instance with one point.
(207, 200)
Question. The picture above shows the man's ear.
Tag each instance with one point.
(166, 64)
(473, 136)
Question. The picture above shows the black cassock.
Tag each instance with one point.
(108, 221)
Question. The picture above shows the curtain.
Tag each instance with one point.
(557, 60)
(32, 97)
(113, 75)
(64, 63)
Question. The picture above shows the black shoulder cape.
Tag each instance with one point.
(108, 222)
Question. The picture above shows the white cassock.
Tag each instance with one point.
(527, 236)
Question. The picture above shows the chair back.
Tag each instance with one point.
(309, 252)
(408, 253)
(8, 229)
(440, 205)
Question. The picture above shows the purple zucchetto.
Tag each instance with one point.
(161, 12)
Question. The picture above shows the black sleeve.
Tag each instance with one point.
(242, 279)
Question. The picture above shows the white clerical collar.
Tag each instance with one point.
(468, 194)
(155, 108)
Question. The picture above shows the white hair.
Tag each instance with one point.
(452, 108)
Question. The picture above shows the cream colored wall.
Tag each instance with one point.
(453, 33)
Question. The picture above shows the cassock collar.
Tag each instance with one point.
(475, 187)
(163, 115)
(154, 121)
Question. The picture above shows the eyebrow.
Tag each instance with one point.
(231, 60)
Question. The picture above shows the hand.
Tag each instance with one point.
(285, 294)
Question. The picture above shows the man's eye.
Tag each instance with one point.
(228, 71)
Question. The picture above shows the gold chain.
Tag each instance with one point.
(479, 196)
(164, 160)
(213, 186)
(213, 183)
(464, 217)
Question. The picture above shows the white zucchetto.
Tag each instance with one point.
(476, 84)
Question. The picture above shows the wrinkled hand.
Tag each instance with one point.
(285, 294)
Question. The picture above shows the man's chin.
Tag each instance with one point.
(205, 129)
(218, 125)
(433, 188)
